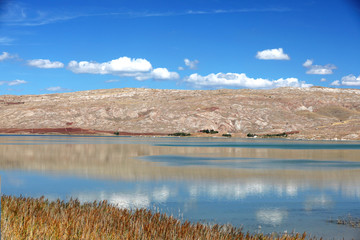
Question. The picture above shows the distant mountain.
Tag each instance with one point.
(317, 113)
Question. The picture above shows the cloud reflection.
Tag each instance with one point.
(241, 190)
(271, 216)
(161, 195)
(318, 202)
(128, 201)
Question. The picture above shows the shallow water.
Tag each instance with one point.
(260, 185)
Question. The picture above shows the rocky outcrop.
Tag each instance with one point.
(317, 113)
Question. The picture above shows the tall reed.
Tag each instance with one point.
(38, 218)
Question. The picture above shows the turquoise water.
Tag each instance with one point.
(251, 163)
(260, 185)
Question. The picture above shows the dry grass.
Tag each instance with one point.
(347, 220)
(38, 218)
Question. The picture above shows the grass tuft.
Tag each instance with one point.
(38, 218)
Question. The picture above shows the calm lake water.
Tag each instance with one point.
(260, 185)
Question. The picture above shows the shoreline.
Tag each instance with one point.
(71, 131)
(105, 133)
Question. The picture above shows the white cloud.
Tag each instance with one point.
(181, 68)
(163, 74)
(120, 66)
(158, 74)
(335, 83)
(4, 56)
(13, 83)
(112, 80)
(6, 41)
(241, 80)
(57, 89)
(272, 54)
(318, 69)
(308, 63)
(323, 80)
(350, 80)
(191, 64)
(321, 70)
(139, 68)
(20, 14)
(16, 82)
(44, 63)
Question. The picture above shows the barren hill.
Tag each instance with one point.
(317, 113)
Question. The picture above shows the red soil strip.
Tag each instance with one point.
(211, 109)
(70, 131)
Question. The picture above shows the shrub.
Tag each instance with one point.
(211, 131)
(251, 135)
(180, 134)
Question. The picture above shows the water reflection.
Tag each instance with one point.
(318, 202)
(279, 189)
(250, 163)
(241, 190)
(271, 216)
(242, 202)
(129, 201)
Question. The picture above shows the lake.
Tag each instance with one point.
(262, 185)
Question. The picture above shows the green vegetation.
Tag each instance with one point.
(38, 218)
(226, 135)
(267, 135)
(116, 133)
(274, 135)
(211, 131)
(251, 135)
(180, 134)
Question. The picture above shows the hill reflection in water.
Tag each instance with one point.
(279, 189)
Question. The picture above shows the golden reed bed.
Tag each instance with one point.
(37, 218)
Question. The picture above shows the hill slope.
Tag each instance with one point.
(318, 113)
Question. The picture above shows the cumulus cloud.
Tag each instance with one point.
(191, 64)
(122, 65)
(4, 56)
(162, 74)
(241, 80)
(13, 83)
(335, 83)
(158, 74)
(272, 54)
(308, 63)
(139, 68)
(350, 80)
(323, 80)
(318, 69)
(44, 63)
(57, 89)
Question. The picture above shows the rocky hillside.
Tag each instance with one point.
(317, 113)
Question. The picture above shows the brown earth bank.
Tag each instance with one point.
(71, 131)
(309, 113)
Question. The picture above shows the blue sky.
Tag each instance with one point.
(60, 46)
